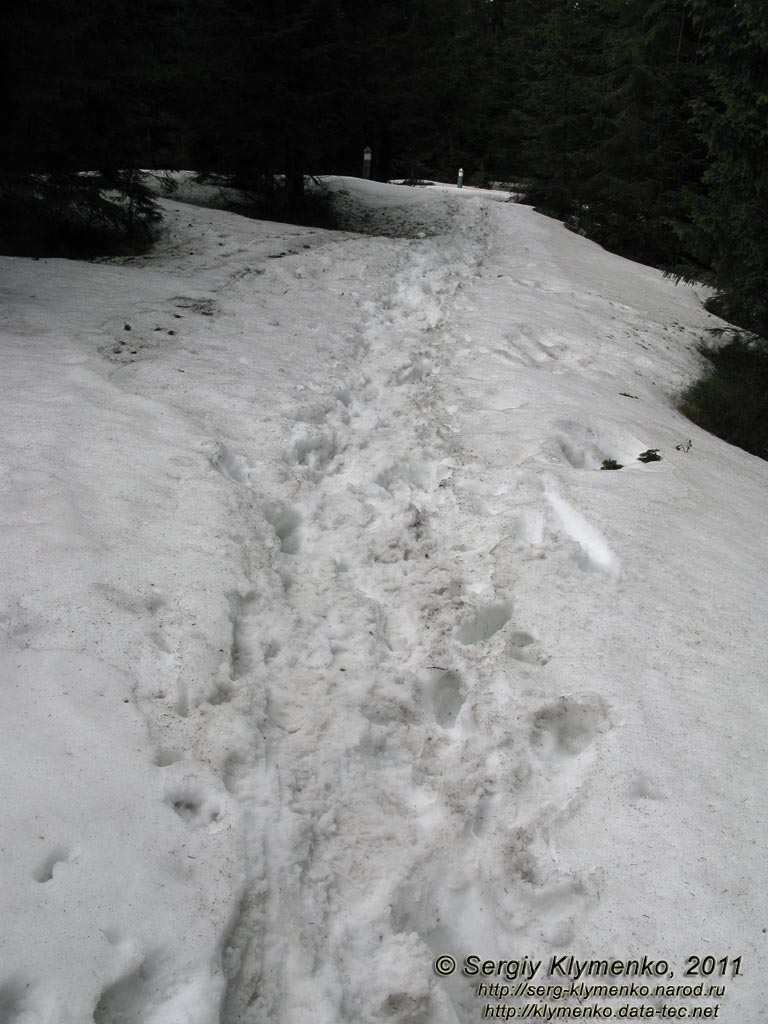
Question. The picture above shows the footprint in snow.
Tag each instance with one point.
(447, 696)
(197, 809)
(286, 522)
(130, 998)
(483, 623)
(242, 611)
(641, 788)
(46, 870)
(413, 372)
(570, 725)
(313, 453)
(164, 758)
(523, 647)
(231, 466)
(15, 1002)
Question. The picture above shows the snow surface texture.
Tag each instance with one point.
(327, 646)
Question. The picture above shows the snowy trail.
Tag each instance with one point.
(344, 652)
(397, 805)
(352, 691)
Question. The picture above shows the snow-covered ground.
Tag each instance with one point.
(328, 649)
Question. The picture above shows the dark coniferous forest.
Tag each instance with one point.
(641, 123)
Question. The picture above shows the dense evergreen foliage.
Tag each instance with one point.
(731, 399)
(608, 123)
(730, 213)
(642, 123)
(84, 86)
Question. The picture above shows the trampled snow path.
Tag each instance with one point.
(413, 677)
(351, 796)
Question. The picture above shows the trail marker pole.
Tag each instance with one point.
(460, 182)
(367, 155)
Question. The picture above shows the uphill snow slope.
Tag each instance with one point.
(329, 649)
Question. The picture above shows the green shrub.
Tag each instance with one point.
(731, 399)
(76, 215)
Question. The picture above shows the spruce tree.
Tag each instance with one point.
(646, 153)
(87, 109)
(561, 107)
(730, 230)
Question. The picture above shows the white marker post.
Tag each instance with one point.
(367, 155)
(460, 182)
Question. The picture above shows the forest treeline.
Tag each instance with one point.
(641, 123)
